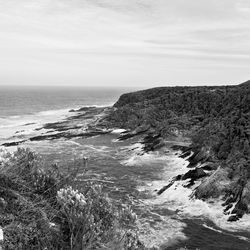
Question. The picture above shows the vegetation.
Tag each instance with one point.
(218, 116)
(217, 119)
(40, 209)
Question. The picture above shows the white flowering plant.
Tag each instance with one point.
(41, 209)
(91, 221)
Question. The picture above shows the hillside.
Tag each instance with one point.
(217, 119)
(42, 207)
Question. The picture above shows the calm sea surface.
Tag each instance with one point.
(29, 100)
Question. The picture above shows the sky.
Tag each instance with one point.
(124, 43)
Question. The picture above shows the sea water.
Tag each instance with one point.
(167, 221)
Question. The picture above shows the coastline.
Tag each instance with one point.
(188, 208)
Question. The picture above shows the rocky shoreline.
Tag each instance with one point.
(217, 121)
(224, 173)
(215, 178)
(69, 128)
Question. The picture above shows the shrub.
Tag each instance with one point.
(41, 210)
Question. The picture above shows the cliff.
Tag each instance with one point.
(216, 119)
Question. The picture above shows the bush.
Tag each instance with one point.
(40, 209)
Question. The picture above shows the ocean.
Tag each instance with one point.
(39, 105)
(168, 221)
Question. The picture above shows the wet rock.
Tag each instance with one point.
(227, 208)
(194, 174)
(20, 131)
(214, 185)
(14, 143)
(233, 218)
(178, 177)
(68, 135)
(199, 156)
(240, 209)
(128, 135)
(235, 194)
(186, 154)
(209, 166)
(190, 184)
(29, 123)
(152, 142)
(165, 188)
(181, 148)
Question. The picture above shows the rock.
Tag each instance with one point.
(69, 135)
(194, 174)
(20, 131)
(181, 148)
(214, 185)
(165, 188)
(233, 218)
(29, 123)
(186, 154)
(152, 142)
(228, 207)
(235, 194)
(240, 209)
(128, 135)
(190, 184)
(199, 156)
(209, 166)
(178, 177)
(11, 144)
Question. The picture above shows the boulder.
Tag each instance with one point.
(240, 209)
(209, 166)
(165, 188)
(233, 218)
(200, 155)
(215, 185)
(186, 154)
(227, 208)
(194, 174)
(182, 148)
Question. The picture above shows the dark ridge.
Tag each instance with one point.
(247, 83)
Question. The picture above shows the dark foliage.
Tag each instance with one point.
(217, 119)
(40, 210)
(218, 116)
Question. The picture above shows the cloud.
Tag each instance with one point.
(132, 39)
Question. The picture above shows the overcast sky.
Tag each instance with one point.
(137, 43)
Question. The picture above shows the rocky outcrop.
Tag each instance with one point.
(130, 134)
(214, 185)
(200, 155)
(194, 175)
(152, 142)
(217, 121)
(69, 128)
